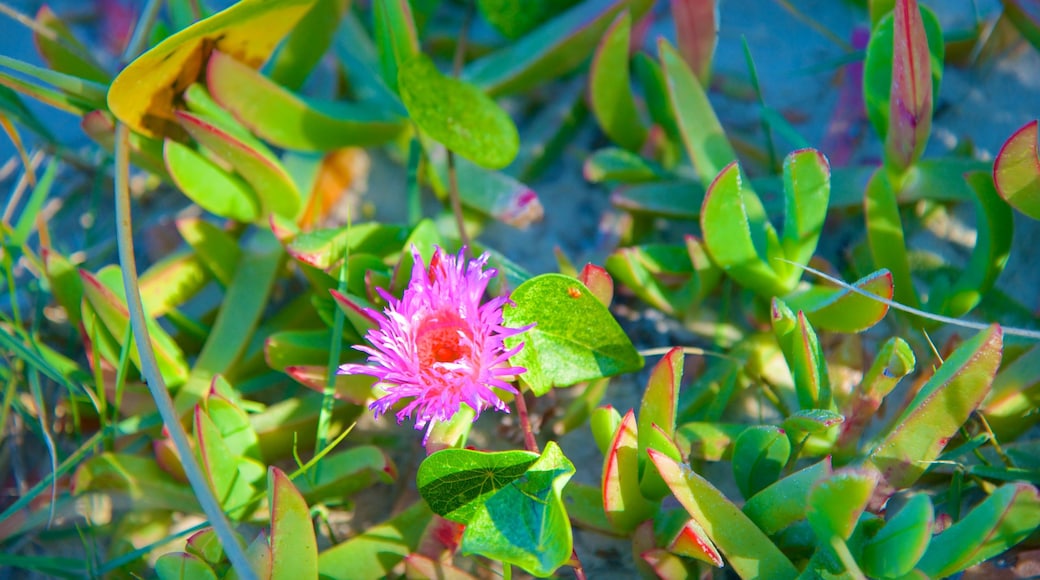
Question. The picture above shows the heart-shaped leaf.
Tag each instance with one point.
(456, 482)
(458, 115)
(575, 338)
(1016, 170)
(524, 523)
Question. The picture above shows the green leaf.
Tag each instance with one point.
(291, 121)
(324, 249)
(941, 407)
(230, 477)
(697, 31)
(552, 50)
(233, 425)
(345, 473)
(250, 159)
(172, 281)
(27, 220)
(711, 441)
(786, 501)
(458, 115)
(209, 185)
(525, 523)
(396, 39)
(886, 238)
(66, 53)
(812, 421)
(182, 566)
(759, 456)
(604, 424)
(804, 354)
(613, 164)
(1002, 520)
(745, 546)
(575, 337)
(216, 249)
(492, 193)
(659, 406)
(145, 93)
(374, 553)
(1010, 408)
(1025, 17)
(623, 502)
(294, 548)
(738, 236)
(456, 482)
(610, 93)
(137, 479)
(705, 140)
(807, 186)
(896, 548)
(835, 503)
(1016, 170)
(838, 309)
(878, 67)
(307, 42)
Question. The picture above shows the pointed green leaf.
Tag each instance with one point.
(397, 42)
(291, 121)
(294, 548)
(745, 546)
(706, 143)
(345, 473)
(229, 477)
(492, 193)
(551, 50)
(836, 502)
(941, 407)
(604, 424)
(897, 547)
(886, 238)
(623, 502)
(807, 187)
(458, 115)
(620, 165)
(910, 99)
(182, 566)
(697, 30)
(786, 501)
(216, 249)
(812, 420)
(575, 337)
(839, 309)
(1002, 520)
(658, 409)
(514, 18)
(759, 456)
(65, 53)
(143, 482)
(1016, 170)
(306, 43)
(210, 186)
(610, 93)
(374, 553)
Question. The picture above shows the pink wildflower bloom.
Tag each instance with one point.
(437, 345)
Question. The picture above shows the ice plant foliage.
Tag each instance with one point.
(438, 345)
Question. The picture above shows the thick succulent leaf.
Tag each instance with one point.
(1025, 15)
(663, 275)
(395, 37)
(514, 18)
(345, 473)
(233, 425)
(145, 152)
(610, 94)
(994, 225)
(705, 141)
(843, 310)
(254, 162)
(65, 284)
(1010, 408)
(738, 236)
(835, 503)
(575, 337)
(812, 421)
(135, 478)
(697, 30)
(66, 53)
(886, 238)
(896, 548)
(292, 121)
(492, 193)
(456, 482)
(551, 50)
(217, 250)
(657, 419)
(911, 95)
(1016, 170)
(612, 164)
(745, 546)
(144, 94)
(692, 542)
(356, 389)
(1002, 520)
(760, 454)
(604, 424)
(623, 502)
(804, 354)
(676, 199)
(172, 281)
(294, 547)
(306, 43)
(182, 566)
(878, 66)
(807, 187)
(786, 501)
(286, 348)
(229, 477)
(374, 553)
(458, 115)
(710, 441)
(525, 523)
(324, 249)
(599, 282)
(941, 407)
(209, 185)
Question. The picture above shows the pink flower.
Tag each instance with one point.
(437, 345)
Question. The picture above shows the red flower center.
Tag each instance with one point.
(440, 340)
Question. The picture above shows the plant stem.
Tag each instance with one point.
(156, 385)
(142, 30)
